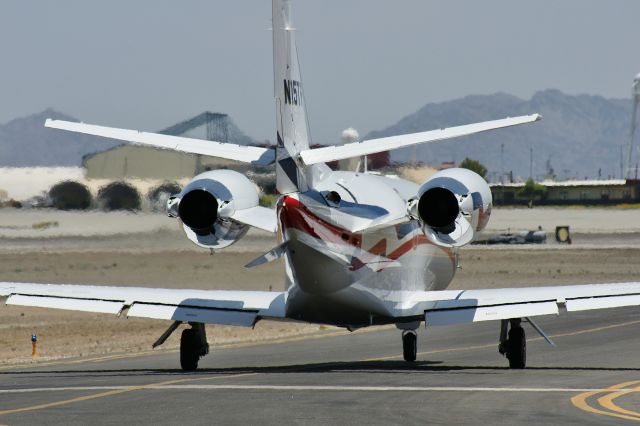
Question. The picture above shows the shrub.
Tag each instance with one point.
(119, 196)
(70, 195)
(268, 200)
(474, 166)
(532, 189)
(159, 195)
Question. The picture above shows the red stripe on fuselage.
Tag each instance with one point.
(295, 215)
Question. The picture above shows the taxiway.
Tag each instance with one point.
(591, 377)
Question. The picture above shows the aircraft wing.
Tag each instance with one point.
(372, 146)
(245, 154)
(242, 308)
(460, 306)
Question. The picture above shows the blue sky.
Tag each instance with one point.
(365, 63)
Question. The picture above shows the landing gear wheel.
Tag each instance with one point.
(409, 345)
(517, 348)
(189, 354)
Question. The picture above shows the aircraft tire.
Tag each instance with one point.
(189, 356)
(409, 345)
(517, 348)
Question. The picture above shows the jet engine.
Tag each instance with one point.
(207, 204)
(452, 206)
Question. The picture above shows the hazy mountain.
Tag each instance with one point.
(578, 135)
(26, 142)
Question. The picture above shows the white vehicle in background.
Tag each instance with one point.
(359, 249)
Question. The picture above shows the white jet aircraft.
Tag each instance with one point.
(359, 249)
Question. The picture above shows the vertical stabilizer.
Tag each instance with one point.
(291, 114)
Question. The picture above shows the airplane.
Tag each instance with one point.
(358, 249)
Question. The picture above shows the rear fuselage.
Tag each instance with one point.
(354, 256)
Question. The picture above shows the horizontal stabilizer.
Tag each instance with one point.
(229, 151)
(372, 146)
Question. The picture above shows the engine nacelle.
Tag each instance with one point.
(453, 205)
(207, 204)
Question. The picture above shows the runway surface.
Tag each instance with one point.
(591, 377)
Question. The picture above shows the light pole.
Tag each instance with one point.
(635, 98)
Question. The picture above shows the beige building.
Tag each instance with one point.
(136, 162)
(572, 192)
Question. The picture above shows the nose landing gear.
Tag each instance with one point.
(409, 345)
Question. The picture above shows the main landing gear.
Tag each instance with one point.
(409, 345)
(513, 343)
(193, 346)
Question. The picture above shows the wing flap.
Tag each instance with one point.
(194, 314)
(488, 313)
(229, 151)
(372, 146)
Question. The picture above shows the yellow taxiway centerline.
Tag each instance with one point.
(491, 345)
(580, 401)
(607, 402)
(113, 392)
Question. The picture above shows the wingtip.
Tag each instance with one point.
(538, 117)
(47, 122)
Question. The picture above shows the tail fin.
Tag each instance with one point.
(291, 115)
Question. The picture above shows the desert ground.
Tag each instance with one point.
(143, 249)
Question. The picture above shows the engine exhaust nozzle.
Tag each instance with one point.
(198, 209)
(438, 208)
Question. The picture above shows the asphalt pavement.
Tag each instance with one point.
(592, 376)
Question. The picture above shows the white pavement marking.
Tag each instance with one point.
(315, 388)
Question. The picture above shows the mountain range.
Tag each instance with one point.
(580, 136)
(25, 142)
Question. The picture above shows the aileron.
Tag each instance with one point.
(241, 308)
(498, 304)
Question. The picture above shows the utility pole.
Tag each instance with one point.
(502, 163)
(635, 98)
(502, 173)
(621, 164)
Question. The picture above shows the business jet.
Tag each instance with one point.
(359, 249)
